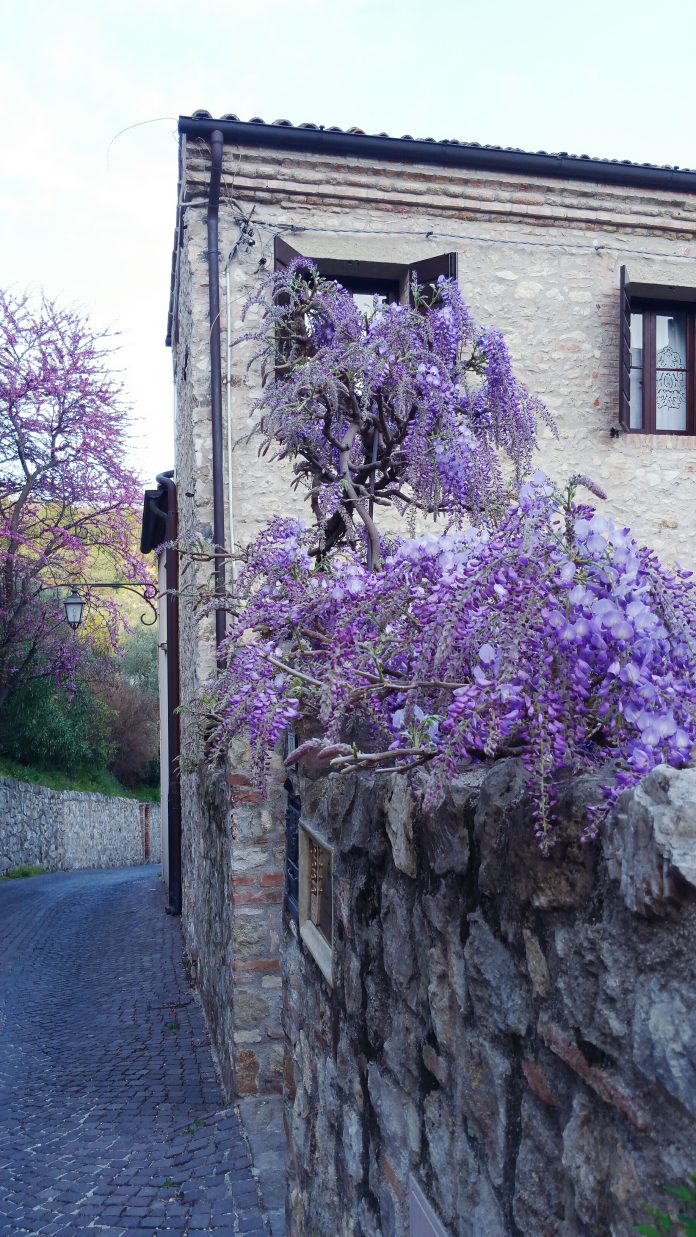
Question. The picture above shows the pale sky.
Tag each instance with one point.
(605, 78)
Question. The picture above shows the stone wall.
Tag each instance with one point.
(508, 1039)
(66, 829)
(232, 858)
(232, 842)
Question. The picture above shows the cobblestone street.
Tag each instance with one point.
(111, 1116)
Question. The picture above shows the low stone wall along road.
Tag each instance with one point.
(111, 1116)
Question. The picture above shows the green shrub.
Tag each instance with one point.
(139, 662)
(43, 724)
(97, 781)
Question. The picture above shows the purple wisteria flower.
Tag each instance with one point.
(472, 645)
(416, 406)
(528, 624)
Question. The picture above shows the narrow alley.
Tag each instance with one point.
(111, 1115)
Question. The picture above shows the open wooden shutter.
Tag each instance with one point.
(624, 351)
(283, 253)
(428, 271)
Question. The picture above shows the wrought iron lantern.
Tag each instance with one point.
(74, 604)
(73, 607)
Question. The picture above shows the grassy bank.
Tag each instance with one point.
(25, 869)
(98, 781)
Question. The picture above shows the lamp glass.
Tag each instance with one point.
(73, 606)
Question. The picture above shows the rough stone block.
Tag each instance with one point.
(602, 1172)
(496, 986)
(539, 1204)
(401, 813)
(398, 943)
(250, 1008)
(650, 843)
(481, 1086)
(445, 835)
(664, 1038)
(246, 1071)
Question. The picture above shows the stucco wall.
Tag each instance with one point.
(66, 829)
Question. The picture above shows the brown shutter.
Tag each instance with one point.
(428, 271)
(283, 253)
(624, 351)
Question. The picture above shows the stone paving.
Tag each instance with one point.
(111, 1115)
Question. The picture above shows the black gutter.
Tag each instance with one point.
(167, 484)
(172, 336)
(447, 154)
(216, 145)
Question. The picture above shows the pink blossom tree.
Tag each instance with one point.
(67, 499)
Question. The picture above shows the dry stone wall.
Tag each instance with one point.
(66, 829)
(509, 1040)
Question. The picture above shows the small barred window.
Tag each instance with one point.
(316, 898)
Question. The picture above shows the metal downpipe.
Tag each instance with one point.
(216, 147)
(165, 479)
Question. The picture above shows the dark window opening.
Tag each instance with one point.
(292, 853)
(390, 281)
(364, 289)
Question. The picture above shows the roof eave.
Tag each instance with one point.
(444, 154)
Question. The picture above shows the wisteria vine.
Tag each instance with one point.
(413, 407)
(536, 628)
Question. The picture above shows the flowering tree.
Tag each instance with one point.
(530, 625)
(65, 494)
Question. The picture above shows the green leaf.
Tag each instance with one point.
(682, 1192)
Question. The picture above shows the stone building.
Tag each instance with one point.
(587, 266)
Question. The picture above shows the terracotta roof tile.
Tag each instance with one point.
(202, 114)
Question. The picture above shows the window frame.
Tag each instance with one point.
(368, 285)
(652, 300)
(356, 274)
(313, 932)
(650, 310)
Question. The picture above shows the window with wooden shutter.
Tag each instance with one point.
(283, 253)
(292, 849)
(657, 376)
(388, 281)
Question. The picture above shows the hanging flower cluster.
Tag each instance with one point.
(554, 637)
(538, 628)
